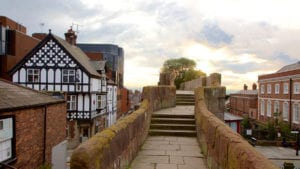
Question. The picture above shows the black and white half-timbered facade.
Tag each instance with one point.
(54, 65)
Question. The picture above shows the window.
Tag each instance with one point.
(277, 88)
(276, 109)
(296, 88)
(71, 102)
(68, 76)
(262, 107)
(6, 139)
(101, 101)
(269, 89)
(33, 75)
(285, 88)
(285, 111)
(269, 109)
(296, 113)
(262, 89)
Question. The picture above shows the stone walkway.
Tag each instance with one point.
(168, 152)
(186, 110)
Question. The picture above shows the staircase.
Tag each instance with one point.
(185, 99)
(178, 121)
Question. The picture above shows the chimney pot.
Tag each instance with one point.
(71, 37)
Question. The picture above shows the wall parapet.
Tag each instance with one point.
(223, 147)
(213, 79)
(116, 146)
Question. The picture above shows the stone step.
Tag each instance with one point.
(173, 126)
(172, 120)
(185, 133)
(185, 103)
(189, 116)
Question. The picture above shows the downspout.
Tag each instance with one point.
(290, 103)
(45, 134)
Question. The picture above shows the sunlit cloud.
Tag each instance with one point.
(240, 39)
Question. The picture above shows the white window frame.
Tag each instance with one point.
(269, 107)
(101, 101)
(262, 89)
(276, 106)
(6, 139)
(71, 102)
(35, 75)
(285, 88)
(296, 88)
(277, 88)
(68, 76)
(269, 89)
(262, 107)
(285, 111)
(296, 111)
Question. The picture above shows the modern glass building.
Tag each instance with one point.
(113, 54)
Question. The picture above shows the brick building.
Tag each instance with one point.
(14, 45)
(244, 102)
(32, 125)
(279, 95)
(123, 102)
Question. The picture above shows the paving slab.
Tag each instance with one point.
(160, 152)
(152, 159)
(152, 152)
(178, 110)
(176, 160)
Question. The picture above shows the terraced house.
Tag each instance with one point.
(279, 95)
(57, 65)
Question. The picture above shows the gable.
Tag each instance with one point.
(53, 52)
(51, 55)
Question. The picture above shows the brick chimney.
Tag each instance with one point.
(71, 37)
(39, 36)
(254, 86)
(245, 87)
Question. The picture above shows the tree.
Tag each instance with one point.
(185, 70)
(179, 65)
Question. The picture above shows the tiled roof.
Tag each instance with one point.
(290, 67)
(79, 55)
(98, 65)
(14, 96)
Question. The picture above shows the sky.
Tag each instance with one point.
(240, 39)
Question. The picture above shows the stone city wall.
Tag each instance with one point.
(223, 147)
(213, 79)
(117, 146)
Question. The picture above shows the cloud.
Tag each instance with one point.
(221, 36)
(214, 35)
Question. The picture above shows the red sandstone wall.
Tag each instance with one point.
(223, 147)
(29, 134)
(116, 146)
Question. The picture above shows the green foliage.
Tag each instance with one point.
(185, 69)
(271, 130)
(246, 123)
(181, 64)
(45, 166)
(285, 129)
